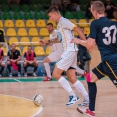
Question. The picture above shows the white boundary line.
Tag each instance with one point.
(17, 80)
(40, 109)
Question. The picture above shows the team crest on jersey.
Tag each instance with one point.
(59, 36)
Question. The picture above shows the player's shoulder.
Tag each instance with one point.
(63, 19)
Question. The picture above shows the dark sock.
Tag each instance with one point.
(35, 68)
(25, 69)
(92, 95)
(2, 68)
(9, 68)
(19, 68)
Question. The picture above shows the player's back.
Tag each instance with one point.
(105, 33)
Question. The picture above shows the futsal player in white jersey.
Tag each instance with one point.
(68, 59)
(56, 49)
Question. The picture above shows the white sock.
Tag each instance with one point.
(79, 87)
(65, 84)
(80, 71)
(47, 68)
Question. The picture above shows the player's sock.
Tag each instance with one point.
(35, 68)
(9, 68)
(47, 68)
(19, 68)
(2, 68)
(65, 84)
(92, 95)
(80, 87)
(25, 69)
(80, 71)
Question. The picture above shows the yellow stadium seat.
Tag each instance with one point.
(23, 41)
(9, 24)
(46, 38)
(22, 32)
(48, 50)
(18, 48)
(3, 31)
(75, 33)
(30, 23)
(36, 40)
(11, 32)
(4, 50)
(44, 32)
(19, 24)
(82, 23)
(90, 21)
(33, 32)
(24, 49)
(50, 21)
(1, 24)
(73, 21)
(41, 23)
(13, 40)
(87, 30)
(39, 51)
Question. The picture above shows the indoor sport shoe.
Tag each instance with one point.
(19, 74)
(10, 75)
(85, 73)
(47, 79)
(34, 74)
(85, 103)
(87, 112)
(25, 74)
(72, 100)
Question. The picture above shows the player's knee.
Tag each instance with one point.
(25, 64)
(3, 64)
(8, 63)
(55, 75)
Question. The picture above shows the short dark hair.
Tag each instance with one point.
(98, 6)
(52, 9)
(50, 24)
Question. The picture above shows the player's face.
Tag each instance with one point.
(53, 16)
(29, 49)
(50, 28)
(13, 47)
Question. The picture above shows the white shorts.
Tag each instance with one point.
(68, 59)
(55, 56)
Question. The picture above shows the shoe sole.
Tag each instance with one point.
(84, 113)
(73, 103)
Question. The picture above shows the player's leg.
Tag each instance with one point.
(96, 74)
(71, 73)
(2, 68)
(19, 68)
(65, 84)
(46, 62)
(25, 64)
(9, 68)
(63, 64)
(35, 68)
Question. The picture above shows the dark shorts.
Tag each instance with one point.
(107, 69)
(30, 65)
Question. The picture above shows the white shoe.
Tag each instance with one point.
(19, 74)
(85, 103)
(10, 74)
(34, 74)
(72, 100)
(25, 74)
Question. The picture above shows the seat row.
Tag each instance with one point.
(39, 50)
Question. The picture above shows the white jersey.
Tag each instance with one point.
(65, 34)
(56, 46)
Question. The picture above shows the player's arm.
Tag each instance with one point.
(2, 58)
(81, 35)
(89, 43)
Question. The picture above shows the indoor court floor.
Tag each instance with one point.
(16, 98)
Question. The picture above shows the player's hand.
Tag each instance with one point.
(75, 40)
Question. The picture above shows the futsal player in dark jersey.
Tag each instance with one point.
(104, 34)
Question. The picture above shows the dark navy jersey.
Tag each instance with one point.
(104, 31)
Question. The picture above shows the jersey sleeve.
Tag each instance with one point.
(67, 24)
(2, 53)
(93, 30)
(8, 54)
(34, 54)
(18, 53)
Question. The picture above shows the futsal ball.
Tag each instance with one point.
(38, 100)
